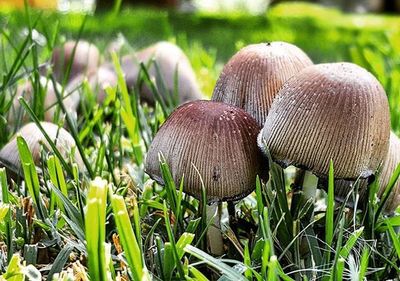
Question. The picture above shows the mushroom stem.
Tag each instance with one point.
(214, 234)
(310, 183)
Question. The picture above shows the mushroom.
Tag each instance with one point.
(26, 90)
(336, 111)
(98, 80)
(9, 155)
(85, 60)
(254, 75)
(211, 142)
(171, 61)
(392, 159)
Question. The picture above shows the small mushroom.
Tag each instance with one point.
(99, 80)
(171, 61)
(85, 60)
(211, 142)
(335, 111)
(26, 90)
(254, 75)
(9, 155)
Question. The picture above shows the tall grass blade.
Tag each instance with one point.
(95, 230)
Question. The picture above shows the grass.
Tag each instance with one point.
(112, 222)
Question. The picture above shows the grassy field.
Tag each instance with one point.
(65, 223)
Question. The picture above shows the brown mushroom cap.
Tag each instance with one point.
(253, 76)
(335, 111)
(9, 155)
(85, 60)
(220, 140)
(169, 58)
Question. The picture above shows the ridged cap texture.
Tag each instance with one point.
(253, 76)
(220, 140)
(343, 187)
(335, 111)
(9, 155)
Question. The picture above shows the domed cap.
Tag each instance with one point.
(219, 140)
(253, 76)
(170, 60)
(335, 111)
(9, 155)
(86, 59)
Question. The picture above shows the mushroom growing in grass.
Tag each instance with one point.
(392, 160)
(83, 57)
(211, 142)
(254, 75)
(64, 142)
(97, 81)
(168, 67)
(337, 112)
(27, 91)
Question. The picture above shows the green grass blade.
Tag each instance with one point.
(7, 220)
(395, 239)
(60, 261)
(230, 273)
(172, 241)
(345, 251)
(364, 263)
(95, 230)
(31, 176)
(329, 228)
(128, 238)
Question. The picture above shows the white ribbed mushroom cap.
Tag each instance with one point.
(254, 75)
(335, 111)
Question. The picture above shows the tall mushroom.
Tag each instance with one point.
(9, 156)
(253, 76)
(212, 141)
(335, 111)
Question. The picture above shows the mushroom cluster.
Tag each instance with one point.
(75, 62)
(309, 115)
